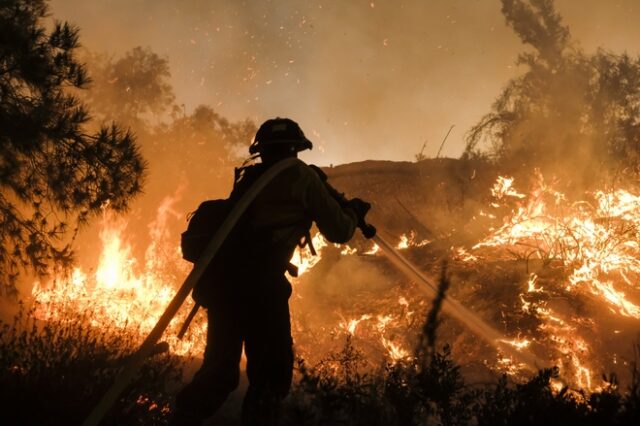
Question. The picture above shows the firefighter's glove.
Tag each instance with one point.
(360, 207)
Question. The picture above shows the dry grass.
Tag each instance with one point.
(53, 373)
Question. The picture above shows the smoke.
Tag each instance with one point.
(571, 113)
(366, 79)
(359, 76)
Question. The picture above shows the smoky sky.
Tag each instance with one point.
(365, 79)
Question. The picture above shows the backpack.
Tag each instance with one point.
(243, 241)
(203, 224)
(205, 221)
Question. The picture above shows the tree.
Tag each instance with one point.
(53, 174)
(570, 110)
(201, 149)
(130, 89)
(195, 151)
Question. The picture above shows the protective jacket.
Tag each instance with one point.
(283, 212)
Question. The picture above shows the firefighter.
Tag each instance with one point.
(248, 305)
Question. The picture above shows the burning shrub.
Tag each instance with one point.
(515, 276)
(408, 392)
(53, 372)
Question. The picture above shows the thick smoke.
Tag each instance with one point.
(366, 79)
(572, 113)
(361, 77)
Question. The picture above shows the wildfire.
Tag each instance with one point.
(599, 244)
(373, 250)
(596, 242)
(407, 241)
(350, 325)
(304, 259)
(124, 292)
(378, 326)
(504, 188)
(593, 242)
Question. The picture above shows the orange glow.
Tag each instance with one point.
(123, 291)
(594, 242)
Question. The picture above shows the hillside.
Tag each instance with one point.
(431, 197)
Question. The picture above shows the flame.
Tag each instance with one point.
(460, 253)
(304, 259)
(348, 251)
(124, 292)
(518, 343)
(503, 187)
(350, 325)
(531, 284)
(407, 241)
(394, 350)
(373, 250)
(596, 242)
(131, 294)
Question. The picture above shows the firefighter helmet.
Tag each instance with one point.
(279, 131)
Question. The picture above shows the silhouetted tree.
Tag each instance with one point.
(569, 108)
(195, 151)
(201, 147)
(131, 89)
(53, 174)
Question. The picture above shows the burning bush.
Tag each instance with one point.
(374, 379)
(517, 275)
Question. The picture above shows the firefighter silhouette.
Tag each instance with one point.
(247, 300)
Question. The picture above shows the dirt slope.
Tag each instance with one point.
(440, 194)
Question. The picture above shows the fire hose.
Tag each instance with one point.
(451, 306)
(457, 310)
